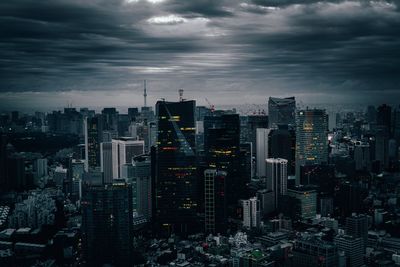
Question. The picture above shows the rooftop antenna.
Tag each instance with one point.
(180, 95)
(145, 94)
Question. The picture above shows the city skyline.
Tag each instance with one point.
(99, 52)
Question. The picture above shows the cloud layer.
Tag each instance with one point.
(224, 48)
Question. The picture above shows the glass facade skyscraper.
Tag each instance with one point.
(281, 111)
(176, 181)
(311, 138)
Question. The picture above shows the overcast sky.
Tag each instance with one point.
(98, 52)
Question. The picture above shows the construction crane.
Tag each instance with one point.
(211, 106)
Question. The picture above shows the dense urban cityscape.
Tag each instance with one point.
(188, 185)
(200, 133)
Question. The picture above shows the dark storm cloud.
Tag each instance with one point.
(258, 46)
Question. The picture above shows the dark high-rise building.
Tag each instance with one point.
(222, 147)
(281, 111)
(282, 144)
(110, 119)
(133, 113)
(321, 175)
(107, 225)
(215, 201)
(311, 138)
(176, 183)
(249, 127)
(384, 117)
(357, 226)
(93, 137)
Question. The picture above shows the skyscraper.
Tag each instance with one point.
(124, 149)
(357, 226)
(176, 182)
(107, 225)
(106, 161)
(93, 137)
(277, 177)
(281, 111)
(251, 213)
(262, 151)
(138, 175)
(282, 144)
(215, 201)
(311, 138)
(352, 248)
(222, 148)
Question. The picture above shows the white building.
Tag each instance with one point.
(277, 177)
(251, 213)
(123, 151)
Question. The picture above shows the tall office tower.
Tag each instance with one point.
(215, 201)
(106, 162)
(281, 111)
(124, 149)
(362, 156)
(311, 138)
(222, 148)
(312, 251)
(251, 213)
(93, 136)
(176, 183)
(78, 169)
(282, 144)
(110, 119)
(307, 199)
(384, 118)
(252, 124)
(277, 177)
(107, 225)
(381, 146)
(357, 226)
(352, 248)
(262, 151)
(138, 175)
(133, 113)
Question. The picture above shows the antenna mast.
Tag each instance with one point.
(145, 94)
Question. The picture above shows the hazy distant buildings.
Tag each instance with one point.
(281, 111)
(311, 138)
(362, 156)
